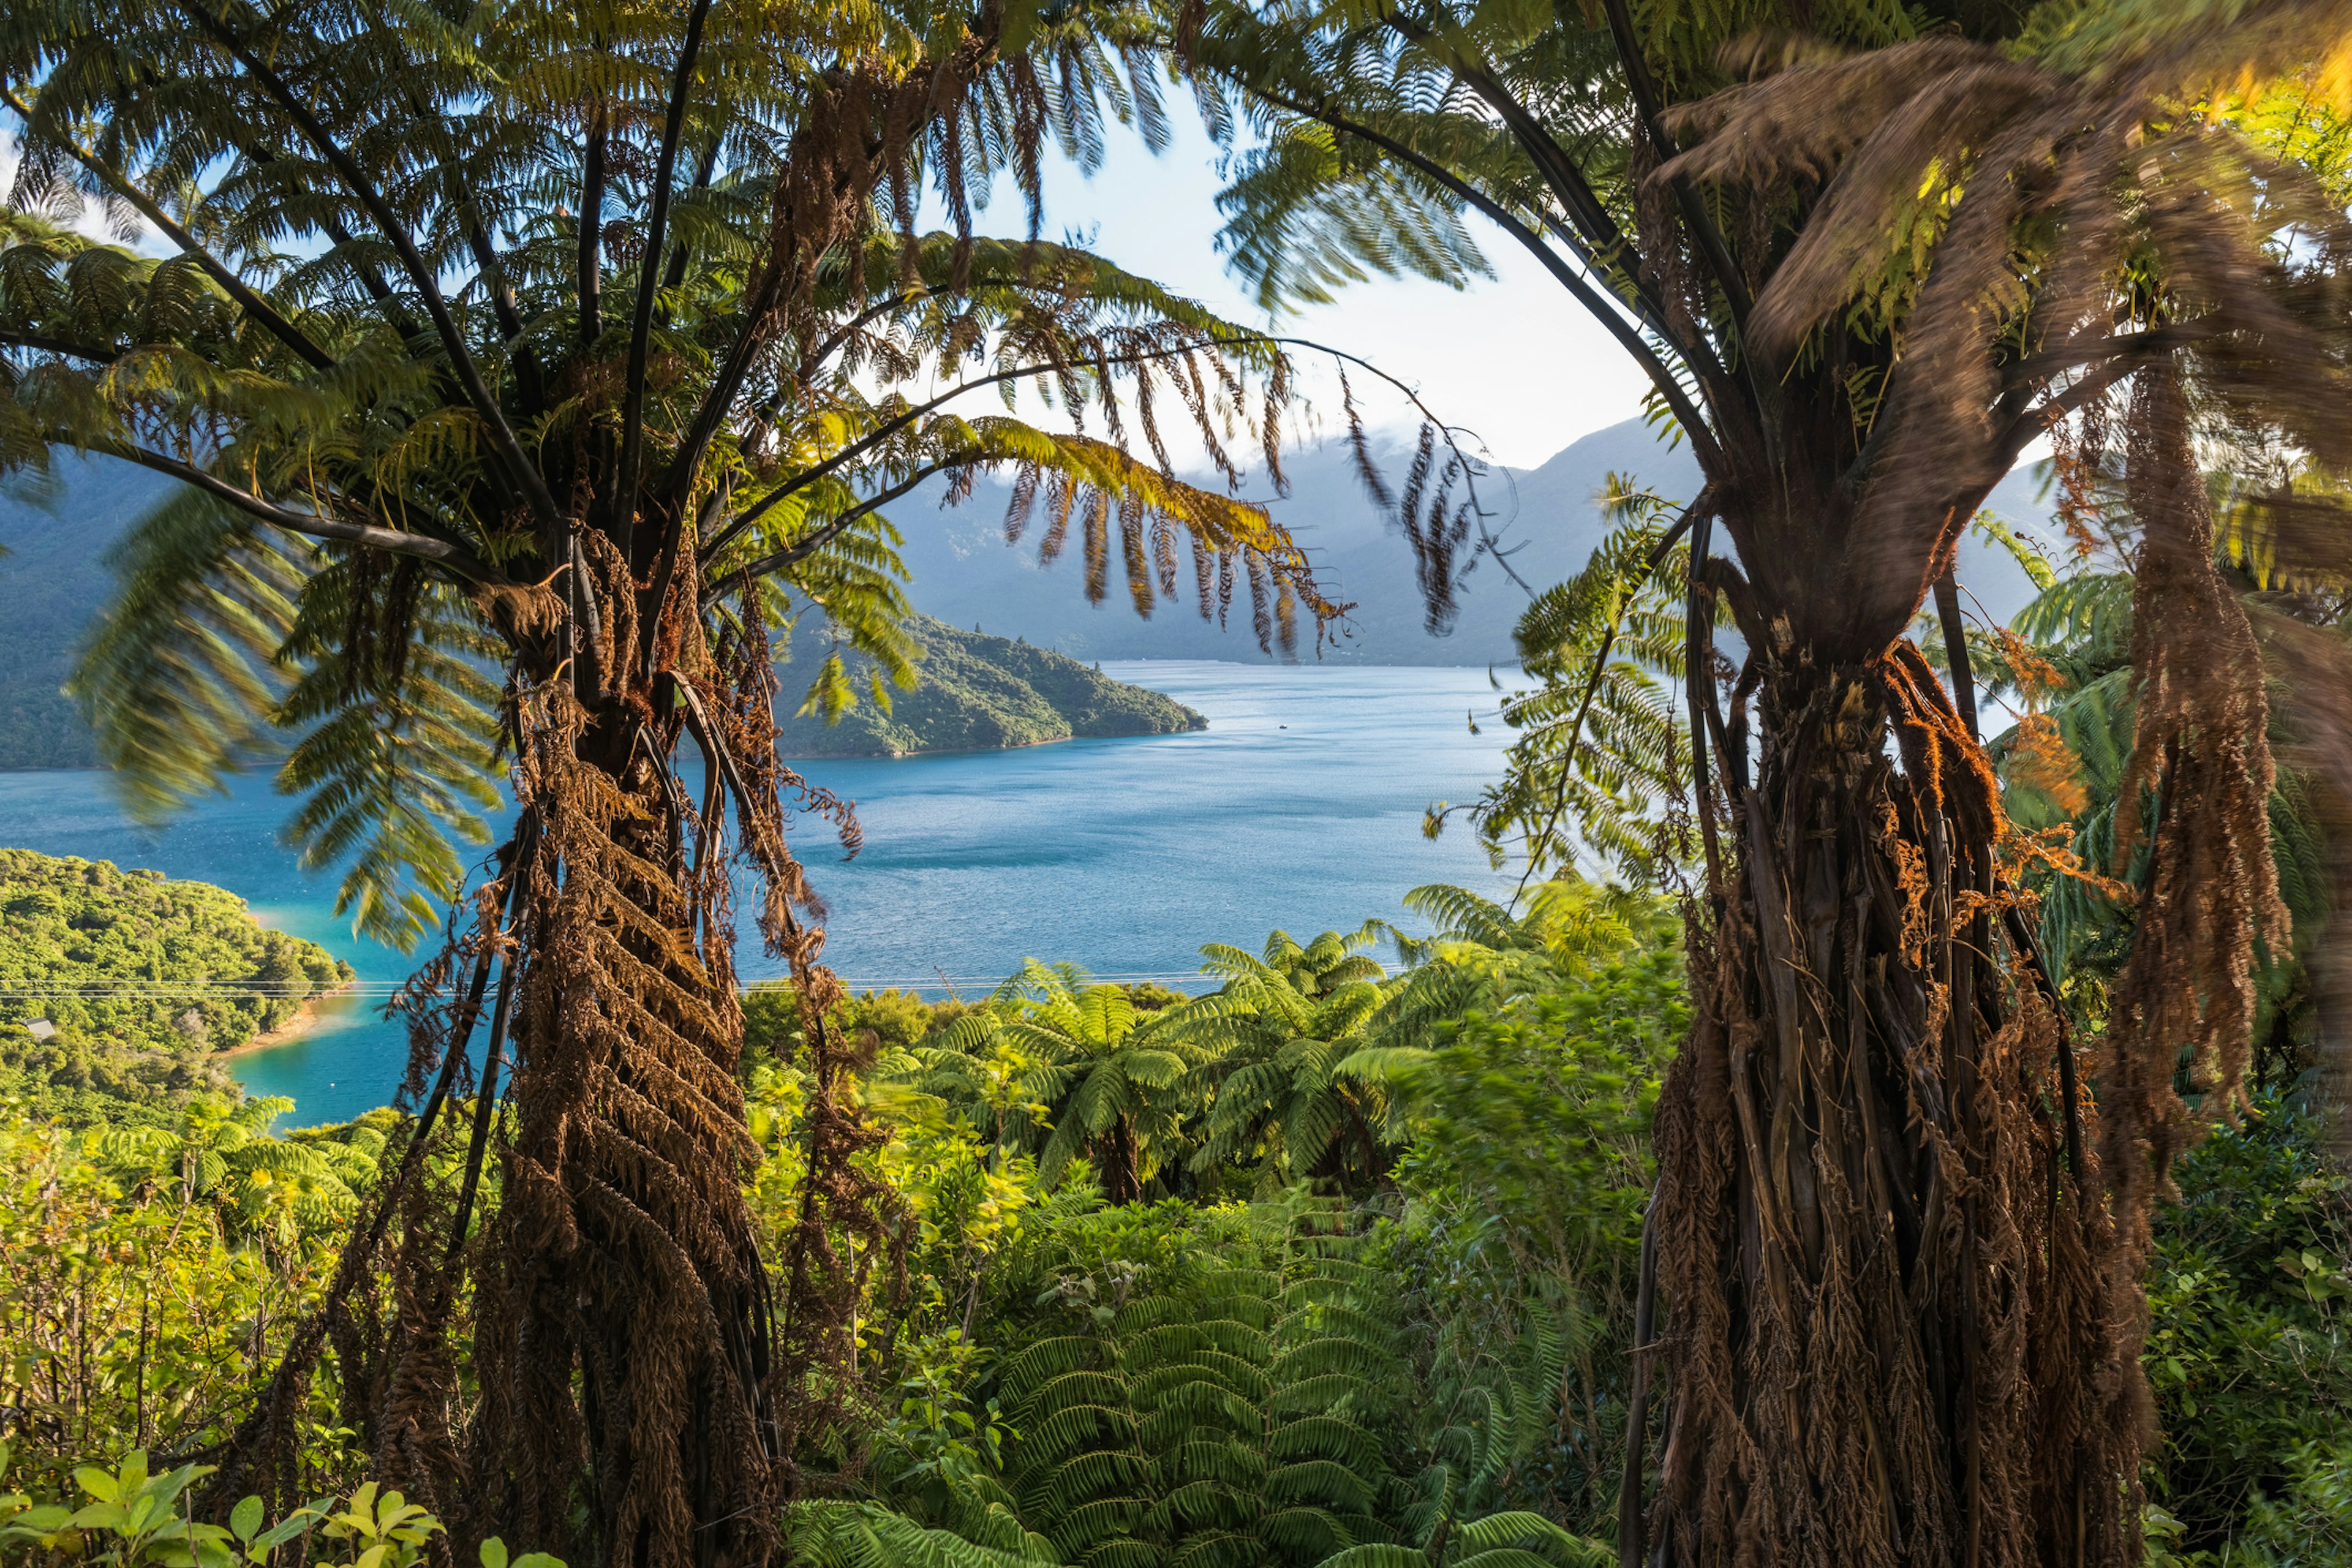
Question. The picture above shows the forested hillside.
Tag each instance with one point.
(1272, 1271)
(973, 692)
(120, 989)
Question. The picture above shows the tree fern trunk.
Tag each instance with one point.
(1890, 1338)
(624, 1378)
(1115, 1163)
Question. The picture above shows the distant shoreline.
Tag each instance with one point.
(305, 1019)
(981, 751)
(961, 751)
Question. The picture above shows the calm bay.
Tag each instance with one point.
(1299, 807)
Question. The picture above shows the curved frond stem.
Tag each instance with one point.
(1598, 233)
(1601, 308)
(1702, 229)
(59, 346)
(802, 549)
(641, 327)
(897, 423)
(2037, 421)
(881, 433)
(459, 560)
(525, 473)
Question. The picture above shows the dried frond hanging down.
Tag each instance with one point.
(2198, 790)
(1437, 509)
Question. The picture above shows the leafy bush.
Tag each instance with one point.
(1235, 1413)
(281, 1188)
(1169, 1384)
(1515, 1251)
(139, 1309)
(1132, 1384)
(2249, 1351)
(131, 1517)
(898, 1019)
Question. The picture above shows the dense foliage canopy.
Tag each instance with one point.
(1435, 1369)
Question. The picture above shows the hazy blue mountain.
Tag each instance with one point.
(1546, 518)
(56, 531)
(59, 530)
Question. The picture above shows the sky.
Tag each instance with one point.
(1509, 357)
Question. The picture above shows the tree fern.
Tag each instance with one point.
(1864, 254)
(221, 1151)
(1229, 1422)
(153, 361)
(549, 359)
(1484, 955)
(1279, 1032)
(1602, 744)
(1066, 1069)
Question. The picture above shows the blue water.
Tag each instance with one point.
(1299, 806)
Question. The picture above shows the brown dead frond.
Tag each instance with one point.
(2201, 763)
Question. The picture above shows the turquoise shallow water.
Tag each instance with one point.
(1299, 806)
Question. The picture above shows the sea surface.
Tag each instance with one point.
(1299, 807)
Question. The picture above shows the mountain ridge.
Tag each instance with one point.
(58, 529)
(1549, 518)
(965, 574)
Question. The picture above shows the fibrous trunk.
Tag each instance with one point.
(1891, 1341)
(622, 1323)
(637, 1396)
(1118, 1164)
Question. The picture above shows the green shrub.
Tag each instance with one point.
(129, 1518)
(2249, 1348)
(143, 1297)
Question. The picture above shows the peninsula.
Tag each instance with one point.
(121, 992)
(976, 694)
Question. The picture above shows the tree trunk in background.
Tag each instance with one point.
(1115, 1164)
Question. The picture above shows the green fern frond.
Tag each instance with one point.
(1533, 1534)
(177, 674)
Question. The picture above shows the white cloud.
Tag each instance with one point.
(93, 220)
